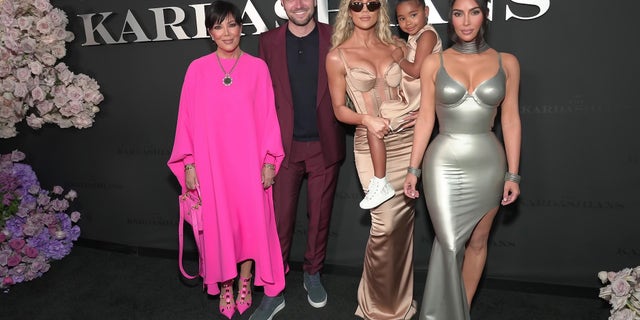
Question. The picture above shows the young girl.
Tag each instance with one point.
(412, 19)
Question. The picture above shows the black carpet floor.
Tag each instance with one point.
(94, 283)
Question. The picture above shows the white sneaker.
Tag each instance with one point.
(379, 191)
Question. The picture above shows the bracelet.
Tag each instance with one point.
(508, 176)
(189, 166)
(270, 166)
(414, 171)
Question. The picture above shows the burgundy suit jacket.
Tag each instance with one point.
(273, 50)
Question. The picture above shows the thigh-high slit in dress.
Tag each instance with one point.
(463, 177)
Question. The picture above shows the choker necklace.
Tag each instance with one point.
(470, 47)
(227, 80)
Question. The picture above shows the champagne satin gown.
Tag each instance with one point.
(386, 287)
(463, 177)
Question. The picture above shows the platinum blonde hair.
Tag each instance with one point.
(343, 26)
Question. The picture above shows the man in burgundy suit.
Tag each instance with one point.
(314, 141)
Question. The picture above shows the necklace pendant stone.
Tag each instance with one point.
(227, 81)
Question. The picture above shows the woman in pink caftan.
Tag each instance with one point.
(228, 143)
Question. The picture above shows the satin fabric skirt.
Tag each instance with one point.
(463, 178)
(386, 287)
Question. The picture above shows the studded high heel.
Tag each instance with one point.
(243, 302)
(227, 305)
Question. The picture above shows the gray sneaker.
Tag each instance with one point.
(316, 294)
(268, 308)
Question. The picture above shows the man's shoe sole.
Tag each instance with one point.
(314, 304)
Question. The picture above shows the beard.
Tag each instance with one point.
(301, 21)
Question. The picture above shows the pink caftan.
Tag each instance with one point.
(229, 132)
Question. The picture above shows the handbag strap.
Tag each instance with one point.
(181, 242)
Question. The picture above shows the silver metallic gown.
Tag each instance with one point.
(463, 177)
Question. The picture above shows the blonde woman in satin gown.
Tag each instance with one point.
(468, 173)
(360, 65)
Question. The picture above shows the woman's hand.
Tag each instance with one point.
(190, 178)
(268, 175)
(510, 193)
(408, 121)
(377, 125)
(410, 182)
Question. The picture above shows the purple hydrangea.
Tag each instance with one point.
(34, 226)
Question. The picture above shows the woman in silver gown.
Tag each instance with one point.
(467, 174)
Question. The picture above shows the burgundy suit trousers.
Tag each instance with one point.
(305, 159)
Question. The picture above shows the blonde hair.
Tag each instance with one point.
(343, 26)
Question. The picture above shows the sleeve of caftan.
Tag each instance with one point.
(182, 152)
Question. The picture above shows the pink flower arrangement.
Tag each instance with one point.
(32, 85)
(34, 225)
(623, 293)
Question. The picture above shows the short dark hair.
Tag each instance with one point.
(485, 14)
(220, 10)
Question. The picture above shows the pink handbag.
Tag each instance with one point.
(191, 212)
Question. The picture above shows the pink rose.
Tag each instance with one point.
(3, 237)
(58, 17)
(47, 58)
(19, 269)
(75, 216)
(58, 51)
(74, 93)
(38, 94)
(82, 121)
(8, 7)
(31, 252)
(620, 287)
(13, 260)
(43, 5)
(34, 189)
(17, 156)
(59, 205)
(20, 90)
(43, 199)
(69, 36)
(22, 74)
(71, 195)
(57, 190)
(93, 96)
(28, 45)
(6, 112)
(44, 107)
(44, 25)
(16, 244)
(36, 67)
(34, 121)
(60, 100)
(5, 69)
(7, 281)
(9, 84)
(49, 220)
(24, 22)
(30, 229)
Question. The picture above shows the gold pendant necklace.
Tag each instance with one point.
(227, 80)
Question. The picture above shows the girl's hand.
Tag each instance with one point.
(377, 125)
